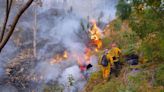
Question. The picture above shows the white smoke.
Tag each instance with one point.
(8, 88)
(1, 70)
(74, 71)
(63, 32)
(85, 8)
(48, 71)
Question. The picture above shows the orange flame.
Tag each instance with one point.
(58, 58)
(65, 55)
(81, 58)
(96, 50)
(87, 55)
(95, 36)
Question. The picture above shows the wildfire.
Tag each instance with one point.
(96, 50)
(82, 58)
(65, 55)
(79, 61)
(95, 36)
(54, 61)
(58, 58)
(98, 43)
(87, 55)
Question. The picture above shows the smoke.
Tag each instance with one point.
(1, 70)
(70, 71)
(48, 71)
(8, 88)
(85, 8)
(62, 36)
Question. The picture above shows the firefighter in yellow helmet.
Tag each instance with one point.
(113, 55)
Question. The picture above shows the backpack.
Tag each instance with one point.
(104, 61)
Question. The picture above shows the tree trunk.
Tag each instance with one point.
(34, 31)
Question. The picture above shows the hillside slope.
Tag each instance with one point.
(147, 76)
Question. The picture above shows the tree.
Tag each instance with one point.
(37, 3)
(145, 16)
(8, 8)
(146, 20)
(123, 9)
(5, 36)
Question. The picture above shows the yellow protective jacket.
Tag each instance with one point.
(105, 70)
(114, 52)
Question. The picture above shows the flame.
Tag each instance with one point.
(96, 50)
(59, 58)
(81, 58)
(98, 43)
(95, 36)
(65, 55)
(87, 55)
(95, 33)
(53, 61)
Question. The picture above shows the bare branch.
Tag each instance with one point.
(10, 4)
(13, 25)
(8, 8)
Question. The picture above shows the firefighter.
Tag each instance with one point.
(105, 64)
(114, 55)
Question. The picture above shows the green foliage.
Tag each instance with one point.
(140, 5)
(95, 79)
(145, 15)
(145, 37)
(154, 3)
(159, 75)
(141, 81)
(130, 37)
(152, 46)
(145, 23)
(123, 9)
(139, 78)
(96, 76)
(53, 88)
(126, 41)
(106, 42)
(112, 86)
(117, 24)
